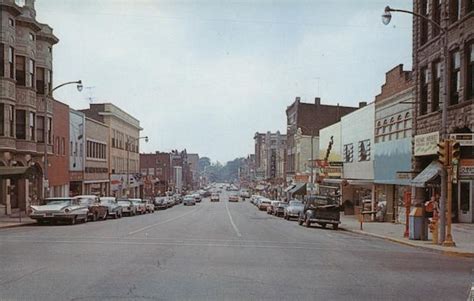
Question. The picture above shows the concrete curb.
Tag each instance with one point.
(408, 243)
(13, 225)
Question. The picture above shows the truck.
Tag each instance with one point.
(322, 210)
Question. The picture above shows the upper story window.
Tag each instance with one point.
(2, 60)
(470, 71)
(436, 84)
(364, 150)
(31, 36)
(11, 62)
(423, 91)
(423, 22)
(20, 71)
(50, 49)
(31, 127)
(2, 119)
(20, 117)
(40, 128)
(40, 83)
(470, 5)
(348, 153)
(436, 12)
(454, 10)
(31, 73)
(11, 22)
(455, 77)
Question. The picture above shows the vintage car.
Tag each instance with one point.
(263, 203)
(272, 206)
(96, 209)
(140, 205)
(294, 208)
(233, 198)
(60, 210)
(215, 197)
(279, 208)
(322, 210)
(197, 197)
(150, 207)
(128, 208)
(160, 203)
(189, 200)
(113, 208)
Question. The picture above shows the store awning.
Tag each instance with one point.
(8, 171)
(289, 188)
(300, 187)
(428, 174)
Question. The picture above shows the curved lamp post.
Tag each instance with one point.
(127, 145)
(386, 18)
(45, 139)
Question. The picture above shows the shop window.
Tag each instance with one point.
(424, 91)
(470, 71)
(20, 117)
(20, 70)
(455, 74)
(436, 84)
(40, 128)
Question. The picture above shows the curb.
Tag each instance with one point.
(408, 243)
(16, 225)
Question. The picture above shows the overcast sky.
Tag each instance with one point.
(207, 75)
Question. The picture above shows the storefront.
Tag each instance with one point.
(465, 186)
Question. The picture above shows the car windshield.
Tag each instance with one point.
(59, 202)
(296, 203)
(126, 203)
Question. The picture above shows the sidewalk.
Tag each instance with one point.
(14, 220)
(463, 235)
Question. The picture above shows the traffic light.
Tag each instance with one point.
(455, 152)
(443, 152)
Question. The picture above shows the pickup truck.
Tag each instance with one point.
(322, 210)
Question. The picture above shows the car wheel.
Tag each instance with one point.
(104, 217)
(115, 215)
(120, 215)
(323, 225)
(73, 220)
(300, 221)
(95, 217)
(335, 226)
(307, 223)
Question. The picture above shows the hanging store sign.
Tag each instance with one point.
(426, 144)
(466, 139)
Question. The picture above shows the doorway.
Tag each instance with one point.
(465, 200)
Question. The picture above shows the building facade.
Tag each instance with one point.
(304, 120)
(96, 169)
(193, 160)
(59, 161)
(429, 69)
(270, 150)
(25, 107)
(77, 159)
(124, 141)
(393, 142)
(156, 168)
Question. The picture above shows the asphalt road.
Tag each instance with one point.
(218, 251)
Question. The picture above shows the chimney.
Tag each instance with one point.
(362, 104)
(298, 99)
(317, 101)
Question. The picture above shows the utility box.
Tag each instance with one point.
(418, 227)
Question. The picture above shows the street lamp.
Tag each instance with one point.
(127, 145)
(386, 18)
(45, 123)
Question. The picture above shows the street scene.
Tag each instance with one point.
(236, 150)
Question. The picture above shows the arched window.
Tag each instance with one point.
(384, 129)
(399, 126)
(392, 127)
(407, 125)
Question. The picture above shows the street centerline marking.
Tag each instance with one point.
(232, 221)
(162, 222)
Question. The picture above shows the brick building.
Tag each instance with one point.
(304, 120)
(428, 68)
(59, 161)
(270, 149)
(156, 169)
(25, 107)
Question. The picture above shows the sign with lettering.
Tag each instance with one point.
(426, 144)
(466, 168)
(465, 139)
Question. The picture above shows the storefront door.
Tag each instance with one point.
(465, 202)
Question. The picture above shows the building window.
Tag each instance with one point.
(49, 79)
(31, 73)
(364, 150)
(50, 49)
(2, 60)
(63, 146)
(436, 11)
(31, 37)
(49, 128)
(32, 126)
(399, 126)
(2, 119)
(436, 83)
(56, 145)
(11, 22)
(20, 70)
(40, 128)
(407, 125)
(470, 71)
(392, 128)
(348, 153)
(11, 117)
(423, 22)
(454, 10)
(40, 83)
(71, 149)
(455, 74)
(20, 117)
(11, 61)
(424, 91)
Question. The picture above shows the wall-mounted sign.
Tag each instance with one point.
(466, 168)
(465, 139)
(426, 144)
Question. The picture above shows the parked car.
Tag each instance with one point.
(322, 210)
(279, 209)
(178, 199)
(169, 202)
(113, 208)
(150, 207)
(141, 207)
(244, 194)
(189, 200)
(294, 208)
(263, 204)
(272, 207)
(233, 198)
(60, 210)
(215, 197)
(197, 197)
(128, 207)
(96, 209)
(160, 203)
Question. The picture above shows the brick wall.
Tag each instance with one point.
(58, 173)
